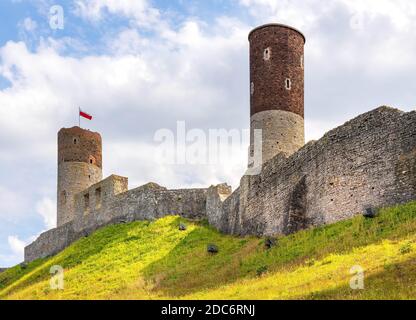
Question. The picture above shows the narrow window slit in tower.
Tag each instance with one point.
(63, 198)
(267, 54)
(91, 160)
(288, 84)
(86, 202)
(98, 198)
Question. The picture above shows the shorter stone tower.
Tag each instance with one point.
(79, 167)
(277, 89)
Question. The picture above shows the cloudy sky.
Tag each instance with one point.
(139, 66)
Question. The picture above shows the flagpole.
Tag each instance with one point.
(79, 117)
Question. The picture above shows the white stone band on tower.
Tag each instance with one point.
(282, 132)
(276, 91)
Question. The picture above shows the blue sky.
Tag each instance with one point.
(12, 13)
(140, 65)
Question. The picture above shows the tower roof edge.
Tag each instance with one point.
(276, 25)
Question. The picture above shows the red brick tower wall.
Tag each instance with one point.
(276, 92)
(269, 71)
(79, 145)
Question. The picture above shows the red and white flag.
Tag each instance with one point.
(85, 115)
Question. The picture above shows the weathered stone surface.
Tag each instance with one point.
(110, 202)
(51, 242)
(282, 131)
(73, 177)
(79, 145)
(369, 161)
(214, 207)
(79, 166)
(276, 91)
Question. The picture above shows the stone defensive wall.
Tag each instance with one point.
(368, 162)
(110, 202)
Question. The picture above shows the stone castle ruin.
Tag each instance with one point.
(368, 162)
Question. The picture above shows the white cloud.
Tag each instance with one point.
(401, 13)
(47, 209)
(17, 246)
(139, 10)
(304, 14)
(187, 74)
(12, 204)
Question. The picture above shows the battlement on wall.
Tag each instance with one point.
(369, 161)
(90, 203)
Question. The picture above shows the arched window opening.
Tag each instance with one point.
(91, 160)
(63, 198)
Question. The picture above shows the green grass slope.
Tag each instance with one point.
(154, 260)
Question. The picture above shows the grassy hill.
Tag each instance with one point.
(155, 260)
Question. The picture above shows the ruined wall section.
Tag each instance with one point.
(51, 242)
(147, 202)
(368, 162)
(110, 202)
(218, 213)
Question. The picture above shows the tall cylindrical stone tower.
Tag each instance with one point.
(79, 167)
(277, 89)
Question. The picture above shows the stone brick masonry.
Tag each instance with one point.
(276, 90)
(79, 166)
(368, 162)
(276, 55)
(109, 202)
